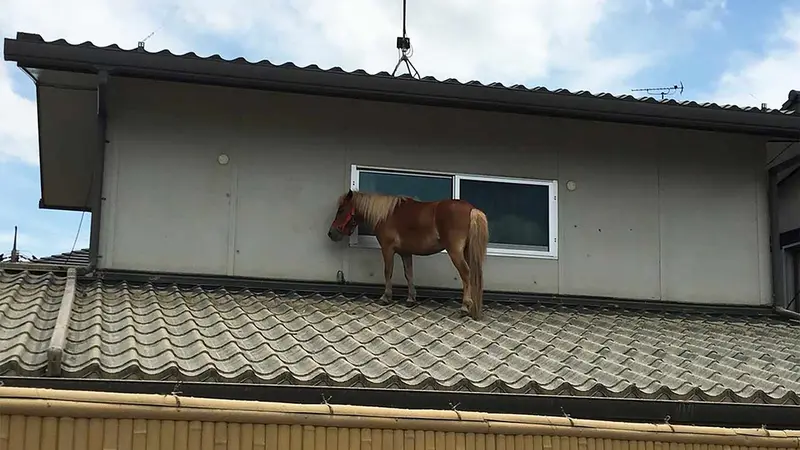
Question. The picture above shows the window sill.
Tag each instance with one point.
(496, 252)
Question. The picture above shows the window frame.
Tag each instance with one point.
(357, 241)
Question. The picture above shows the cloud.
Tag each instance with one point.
(101, 21)
(706, 16)
(506, 41)
(694, 17)
(18, 125)
(767, 77)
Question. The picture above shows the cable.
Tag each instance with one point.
(781, 152)
(75, 242)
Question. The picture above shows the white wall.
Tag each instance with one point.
(657, 214)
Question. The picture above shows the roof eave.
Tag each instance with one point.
(31, 51)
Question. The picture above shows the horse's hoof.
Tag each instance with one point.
(384, 299)
(411, 300)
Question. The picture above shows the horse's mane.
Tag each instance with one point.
(375, 208)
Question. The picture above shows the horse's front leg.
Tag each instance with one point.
(388, 270)
(408, 269)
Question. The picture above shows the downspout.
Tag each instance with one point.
(97, 172)
(776, 253)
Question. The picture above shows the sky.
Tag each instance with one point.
(743, 52)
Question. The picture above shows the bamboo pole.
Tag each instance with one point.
(63, 403)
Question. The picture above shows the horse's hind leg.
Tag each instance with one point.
(456, 253)
(388, 270)
(408, 269)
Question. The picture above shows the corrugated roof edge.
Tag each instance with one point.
(31, 50)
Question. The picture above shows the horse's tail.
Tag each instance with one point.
(477, 241)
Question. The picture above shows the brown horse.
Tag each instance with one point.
(408, 227)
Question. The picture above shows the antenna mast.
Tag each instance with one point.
(663, 91)
(404, 45)
(14, 251)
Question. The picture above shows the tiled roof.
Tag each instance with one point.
(28, 310)
(122, 330)
(30, 37)
(74, 258)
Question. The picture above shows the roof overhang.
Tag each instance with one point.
(31, 51)
(51, 62)
(68, 127)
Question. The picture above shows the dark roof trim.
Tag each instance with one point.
(598, 408)
(43, 205)
(375, 290)
(31, 51)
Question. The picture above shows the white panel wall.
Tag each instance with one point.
(657, 213)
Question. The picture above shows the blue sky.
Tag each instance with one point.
(728, 51)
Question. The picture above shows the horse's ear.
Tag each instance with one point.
(349, 194)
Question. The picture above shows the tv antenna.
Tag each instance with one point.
(14, 251)
(663, 91)
(16, 256)
(404, 47)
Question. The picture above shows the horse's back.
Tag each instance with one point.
(455, 207)
(414, 214)
(429, 210)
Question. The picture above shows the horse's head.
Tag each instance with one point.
(345, 221)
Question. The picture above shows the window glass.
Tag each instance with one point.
(518, 214)
(420, 187)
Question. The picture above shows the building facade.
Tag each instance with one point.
(212, 184)
(223, 181)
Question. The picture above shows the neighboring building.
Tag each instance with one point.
(76, 258)
(629, 263)
(792, 101)
(783, 158)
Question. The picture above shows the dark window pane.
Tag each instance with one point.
(422, 188)
(518, 213)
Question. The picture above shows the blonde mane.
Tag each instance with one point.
(375, 208)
